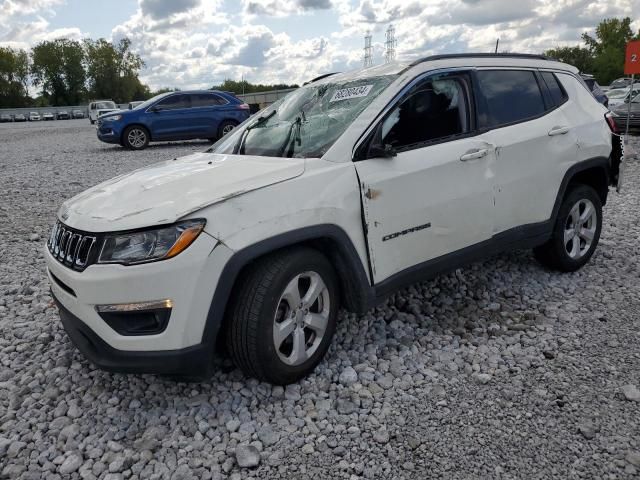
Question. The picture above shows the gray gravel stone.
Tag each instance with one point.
(71, 464)
(247, 456)
(631, 393)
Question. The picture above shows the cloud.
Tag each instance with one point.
(198, 43)
(281, 8)
(159, 9)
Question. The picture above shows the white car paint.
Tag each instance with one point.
(247, 199)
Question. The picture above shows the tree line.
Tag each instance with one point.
(71, 72)
(601, 55)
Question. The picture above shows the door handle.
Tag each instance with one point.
(558, 131)
(474, 154)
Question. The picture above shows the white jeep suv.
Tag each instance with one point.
(347, 189)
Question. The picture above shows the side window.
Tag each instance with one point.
(433, 110)
(207, 100)
(558, 95)
(511, 96)
(174, 102)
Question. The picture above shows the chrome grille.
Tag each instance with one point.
(70, 247)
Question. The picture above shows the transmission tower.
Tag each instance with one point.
(368, 50)
(390, 45)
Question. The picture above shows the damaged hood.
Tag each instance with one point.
(165, 192)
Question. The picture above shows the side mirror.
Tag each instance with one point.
(155, 108)
(384, 151)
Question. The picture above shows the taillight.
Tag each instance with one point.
(611, 122)
(243, 106)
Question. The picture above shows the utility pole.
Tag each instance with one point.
(497, 43)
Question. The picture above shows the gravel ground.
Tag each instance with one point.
(499, 370)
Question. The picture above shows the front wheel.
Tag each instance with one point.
(283, 316)
(135, 138)
(575, 233)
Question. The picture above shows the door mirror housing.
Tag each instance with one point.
(384, 151)
(155, 108)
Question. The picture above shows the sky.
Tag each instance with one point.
(198, 43)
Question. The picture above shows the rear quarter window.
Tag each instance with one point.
(511, 96)
(558, 94)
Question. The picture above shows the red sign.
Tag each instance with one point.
(632, 58)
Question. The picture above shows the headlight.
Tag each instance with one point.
(111, 118)
(150, 245)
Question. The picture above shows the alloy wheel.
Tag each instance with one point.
(580, 229)
(301, 318)
(137, 138)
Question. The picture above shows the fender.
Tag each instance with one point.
(598, 162)
(350, 269)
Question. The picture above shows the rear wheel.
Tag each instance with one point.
(226, 127)
(575, 233)
(283, 316)
(135, 137)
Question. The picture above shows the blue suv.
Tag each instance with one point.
(207, 114)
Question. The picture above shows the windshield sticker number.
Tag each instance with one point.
(352, 92)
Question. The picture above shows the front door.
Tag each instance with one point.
(435, 196)
(170, 118)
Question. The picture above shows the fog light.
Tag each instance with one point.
(130, 319)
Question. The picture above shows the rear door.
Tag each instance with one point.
(434, 197)
(169, 119)
(208, 110)
(534, 139)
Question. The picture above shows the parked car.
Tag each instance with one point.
(621, 95)
(337, 195)
(620, 83)
(34, 117)
(203, 114)
(133, 105)
(78, 114)
(100, 107)
(63, 115)
(47, 116)
(5, 117)
(595, 89)
(621, 111)
(20, 117)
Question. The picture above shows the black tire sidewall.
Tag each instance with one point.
(277, 371)
(125, 137)
(577, 193)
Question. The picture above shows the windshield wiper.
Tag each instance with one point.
(297, 140)
(259, 121)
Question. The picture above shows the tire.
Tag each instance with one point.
(225, 127)
(135, 137)
(580, 219)
(266, 302)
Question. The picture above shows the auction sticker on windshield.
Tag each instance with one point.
(351, 92)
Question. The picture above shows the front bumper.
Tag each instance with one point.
(108, 133)
(188, 280)
(192, 361)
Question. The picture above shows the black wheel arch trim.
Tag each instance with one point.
(596, 162)
(350, 270)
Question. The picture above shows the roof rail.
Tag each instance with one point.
(479, 55)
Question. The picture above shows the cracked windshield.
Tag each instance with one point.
(306, 122)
